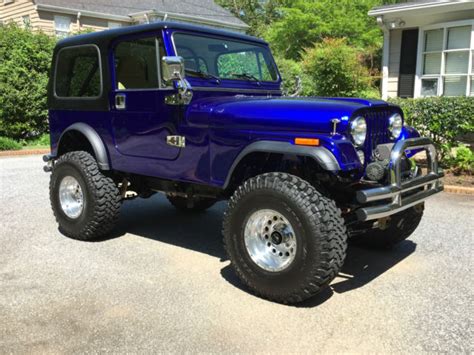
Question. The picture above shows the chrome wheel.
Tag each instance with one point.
(71, 197)
(270, 240)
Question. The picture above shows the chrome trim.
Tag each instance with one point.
(397, 187)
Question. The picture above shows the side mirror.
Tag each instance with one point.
(173, 68)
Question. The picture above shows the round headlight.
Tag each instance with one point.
(359, 130)
(395, 125)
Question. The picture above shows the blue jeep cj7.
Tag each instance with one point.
(198, 114)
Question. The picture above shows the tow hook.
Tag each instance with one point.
(48, 159)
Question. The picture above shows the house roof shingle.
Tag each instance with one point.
(206, 9)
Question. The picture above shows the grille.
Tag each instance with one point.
(377, 130)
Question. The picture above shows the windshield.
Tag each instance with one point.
(225, 58)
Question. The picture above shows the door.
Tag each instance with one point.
(141, 120)
(406, 80)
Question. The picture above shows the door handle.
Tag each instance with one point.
(120, 101)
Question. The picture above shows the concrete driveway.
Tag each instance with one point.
(163, 284)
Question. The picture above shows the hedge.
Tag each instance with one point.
(448, 121)
(25, 59)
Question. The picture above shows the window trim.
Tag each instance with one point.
(421, 52)
(82, 98)
(278, 78)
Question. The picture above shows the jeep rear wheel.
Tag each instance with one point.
(85, 202)
(285, 240)
(198, 204)
(393, 230)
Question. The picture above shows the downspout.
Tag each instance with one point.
(79, 21)
(385, 56)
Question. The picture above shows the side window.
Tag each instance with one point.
(136, 64)
(78, 72)
(234, 64)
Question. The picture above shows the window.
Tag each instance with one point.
(447, 64)
(78, 72)
(225, 58)
(62, 25)
(26, 21)
(136, 64)
(114, 24)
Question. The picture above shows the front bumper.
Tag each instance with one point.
(384, 201)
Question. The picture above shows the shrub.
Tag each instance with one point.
(9, 144)
(444, 119)
(25, 59)
(447, 121)
(294, 79)
(336, 69)
(461, 160)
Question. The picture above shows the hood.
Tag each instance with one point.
(281, 113)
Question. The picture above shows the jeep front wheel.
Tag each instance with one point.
(85, 202)
(285, 240)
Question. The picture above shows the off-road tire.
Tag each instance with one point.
(319, 228)
(200, 204)
(101, 197)
(399, 227)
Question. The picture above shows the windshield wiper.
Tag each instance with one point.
(202, 74)
(246, 76)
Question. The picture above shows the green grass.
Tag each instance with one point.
(9, 144)
(41, 142)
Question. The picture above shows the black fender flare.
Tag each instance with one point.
(320, 154)
(95, 141)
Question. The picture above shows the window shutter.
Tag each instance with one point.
(406, 80)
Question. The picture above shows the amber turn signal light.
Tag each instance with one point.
(307, 141)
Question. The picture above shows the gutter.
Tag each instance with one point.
(414, 6)
(69, 11)
(178, 16)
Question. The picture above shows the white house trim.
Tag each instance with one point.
(415, 6)
(65, 10)
(419, 67)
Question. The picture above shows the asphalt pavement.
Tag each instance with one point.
(163, 284)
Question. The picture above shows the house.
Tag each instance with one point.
(428, 48)
(63, 17)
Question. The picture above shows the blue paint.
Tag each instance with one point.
(221, 120)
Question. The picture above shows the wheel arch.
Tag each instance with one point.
(319, 155)
(81, 135)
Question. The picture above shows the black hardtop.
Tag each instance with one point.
(103, 38)
(103, 41)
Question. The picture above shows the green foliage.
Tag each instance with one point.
(444, 119)
(294, 80)
(256, 13)
(43, 141)
(447, 121)
(291, 26)
(336, 70)
(9, 144)
(306, 22)
(25, 59)
(461, 160)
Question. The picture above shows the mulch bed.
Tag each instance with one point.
(458, 180)
(8, 153)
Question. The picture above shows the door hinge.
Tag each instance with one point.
(176, 141)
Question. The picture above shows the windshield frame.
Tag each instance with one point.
(264, 47)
